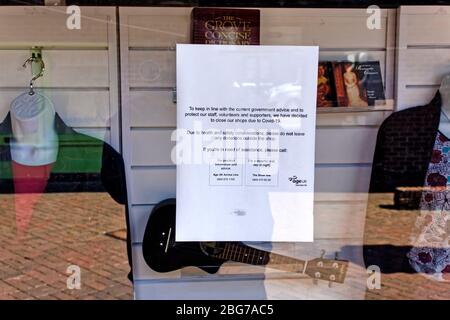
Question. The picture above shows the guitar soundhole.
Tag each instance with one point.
(212, 249)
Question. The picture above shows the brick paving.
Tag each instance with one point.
(386, 225)
(401, 286)
(69, 229)
(65, 229)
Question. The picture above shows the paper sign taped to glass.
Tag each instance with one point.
(245, 139)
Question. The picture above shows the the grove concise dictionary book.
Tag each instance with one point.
(224, 26)
(245, 142)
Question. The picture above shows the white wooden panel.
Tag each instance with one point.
(255, 289)
(333, 145)
(425, 66)
(151, 147)
(417, 96)
(325, 28)
(235, 290)
(157, 68)
(103, 134)
(342, 178)
(152, 109)
(157, 27)
(138, 219)
(152, 68)
(401, 49)
(164, 27)
(372, 118)
(143, 271)
(151, 185)
(389, 75)
(63, 68)
(332, 220)
(84, 109)
(46, 26)
(427, 25)
(345, 145)
(113, 76)
(423, 57)
(76, 108)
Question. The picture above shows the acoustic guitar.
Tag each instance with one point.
(163, 254)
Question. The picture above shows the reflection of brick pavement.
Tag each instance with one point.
(65, 229)
(68, 229)
(385, 225)
(401, 286)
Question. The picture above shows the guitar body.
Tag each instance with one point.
(163, 254)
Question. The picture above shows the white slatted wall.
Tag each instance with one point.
(423, 53)
(80, 65)
(344, 149)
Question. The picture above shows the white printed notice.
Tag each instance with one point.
(245, 140)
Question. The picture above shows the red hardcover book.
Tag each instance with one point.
(225, 26)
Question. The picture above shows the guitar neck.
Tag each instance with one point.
(249, 255)
(287, 263)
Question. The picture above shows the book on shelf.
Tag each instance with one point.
(225, 26)
(326, 92)
(358, 84)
